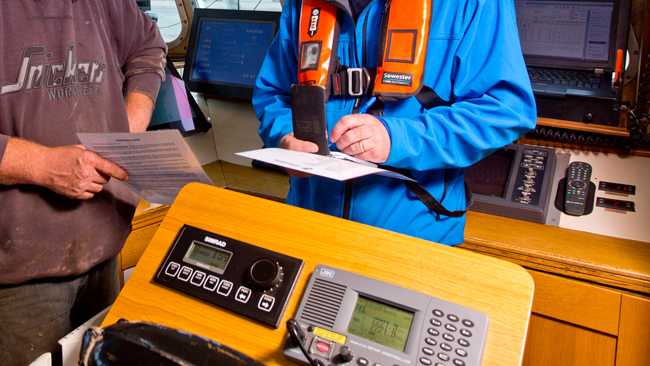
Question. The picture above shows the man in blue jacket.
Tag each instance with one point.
(474, 67)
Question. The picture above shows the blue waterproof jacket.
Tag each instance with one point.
(473, 60)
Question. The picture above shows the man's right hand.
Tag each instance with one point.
(291, 143)
(70, 171)
(78, 173)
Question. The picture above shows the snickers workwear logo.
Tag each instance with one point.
(66, 79)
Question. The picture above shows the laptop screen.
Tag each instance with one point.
(569, 34)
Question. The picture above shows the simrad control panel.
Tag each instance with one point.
(237, 276)
(347, 318)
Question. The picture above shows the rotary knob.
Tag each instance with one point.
(265, 273)
(346, 354)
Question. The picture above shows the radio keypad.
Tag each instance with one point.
(448, 346)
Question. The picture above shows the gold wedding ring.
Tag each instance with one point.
(361, 147)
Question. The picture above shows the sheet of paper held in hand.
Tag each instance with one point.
(159, 163)
(337, 166)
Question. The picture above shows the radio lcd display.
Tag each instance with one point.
(208, 257)
(381, 323)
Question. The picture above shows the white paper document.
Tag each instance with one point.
(337, 166)
(159, 163)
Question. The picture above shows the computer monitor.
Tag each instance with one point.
(175, 106)
(226, 50)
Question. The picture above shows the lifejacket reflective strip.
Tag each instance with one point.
(403, 47)
(318, 36)
(403, 37)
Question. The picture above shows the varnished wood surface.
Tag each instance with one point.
(500, 289)
(602, 259)
(577, 302)
(634, 333)
(552, 342)
(586, 127)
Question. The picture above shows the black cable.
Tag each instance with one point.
(298, 338)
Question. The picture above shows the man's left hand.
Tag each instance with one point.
(362, 136)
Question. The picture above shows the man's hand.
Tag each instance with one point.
(77, 173)
(362, 136)
(67, 170)
(291, 143)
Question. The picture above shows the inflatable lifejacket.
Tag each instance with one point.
(404, 31)
(403, 37)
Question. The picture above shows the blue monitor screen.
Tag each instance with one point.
(226, 50)
(231, 51)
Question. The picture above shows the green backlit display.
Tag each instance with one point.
(381, 323)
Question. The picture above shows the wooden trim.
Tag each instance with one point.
(586, 127)
(577, 302)
(634, 331)
(610, 260)
(552, 342)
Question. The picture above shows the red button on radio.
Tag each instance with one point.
(323, 347)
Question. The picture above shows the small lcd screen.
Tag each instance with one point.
(231, 51)
(208, 257)
(381, 323)
(490, 175)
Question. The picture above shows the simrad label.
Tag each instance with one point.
(397, 78)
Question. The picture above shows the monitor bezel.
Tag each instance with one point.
(215, 89)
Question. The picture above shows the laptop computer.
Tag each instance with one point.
(570, 49)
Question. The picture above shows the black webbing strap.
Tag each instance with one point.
(350, 81)
(426, 197)
(428, 98)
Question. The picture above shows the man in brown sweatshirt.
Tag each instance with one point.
(66, 66)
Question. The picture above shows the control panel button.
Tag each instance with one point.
(197, 279)
(172, 269)
(243, 294)
(211, 283)
(224, 288)
(468, 323)
(428, 351)
(266, 303)
(186, 273)
(321, 348)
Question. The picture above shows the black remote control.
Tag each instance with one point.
(577, 188)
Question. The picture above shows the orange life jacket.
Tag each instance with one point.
(402, 50)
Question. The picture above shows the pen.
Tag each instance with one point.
(366, 106)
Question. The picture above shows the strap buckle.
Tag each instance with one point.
(358, 81)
